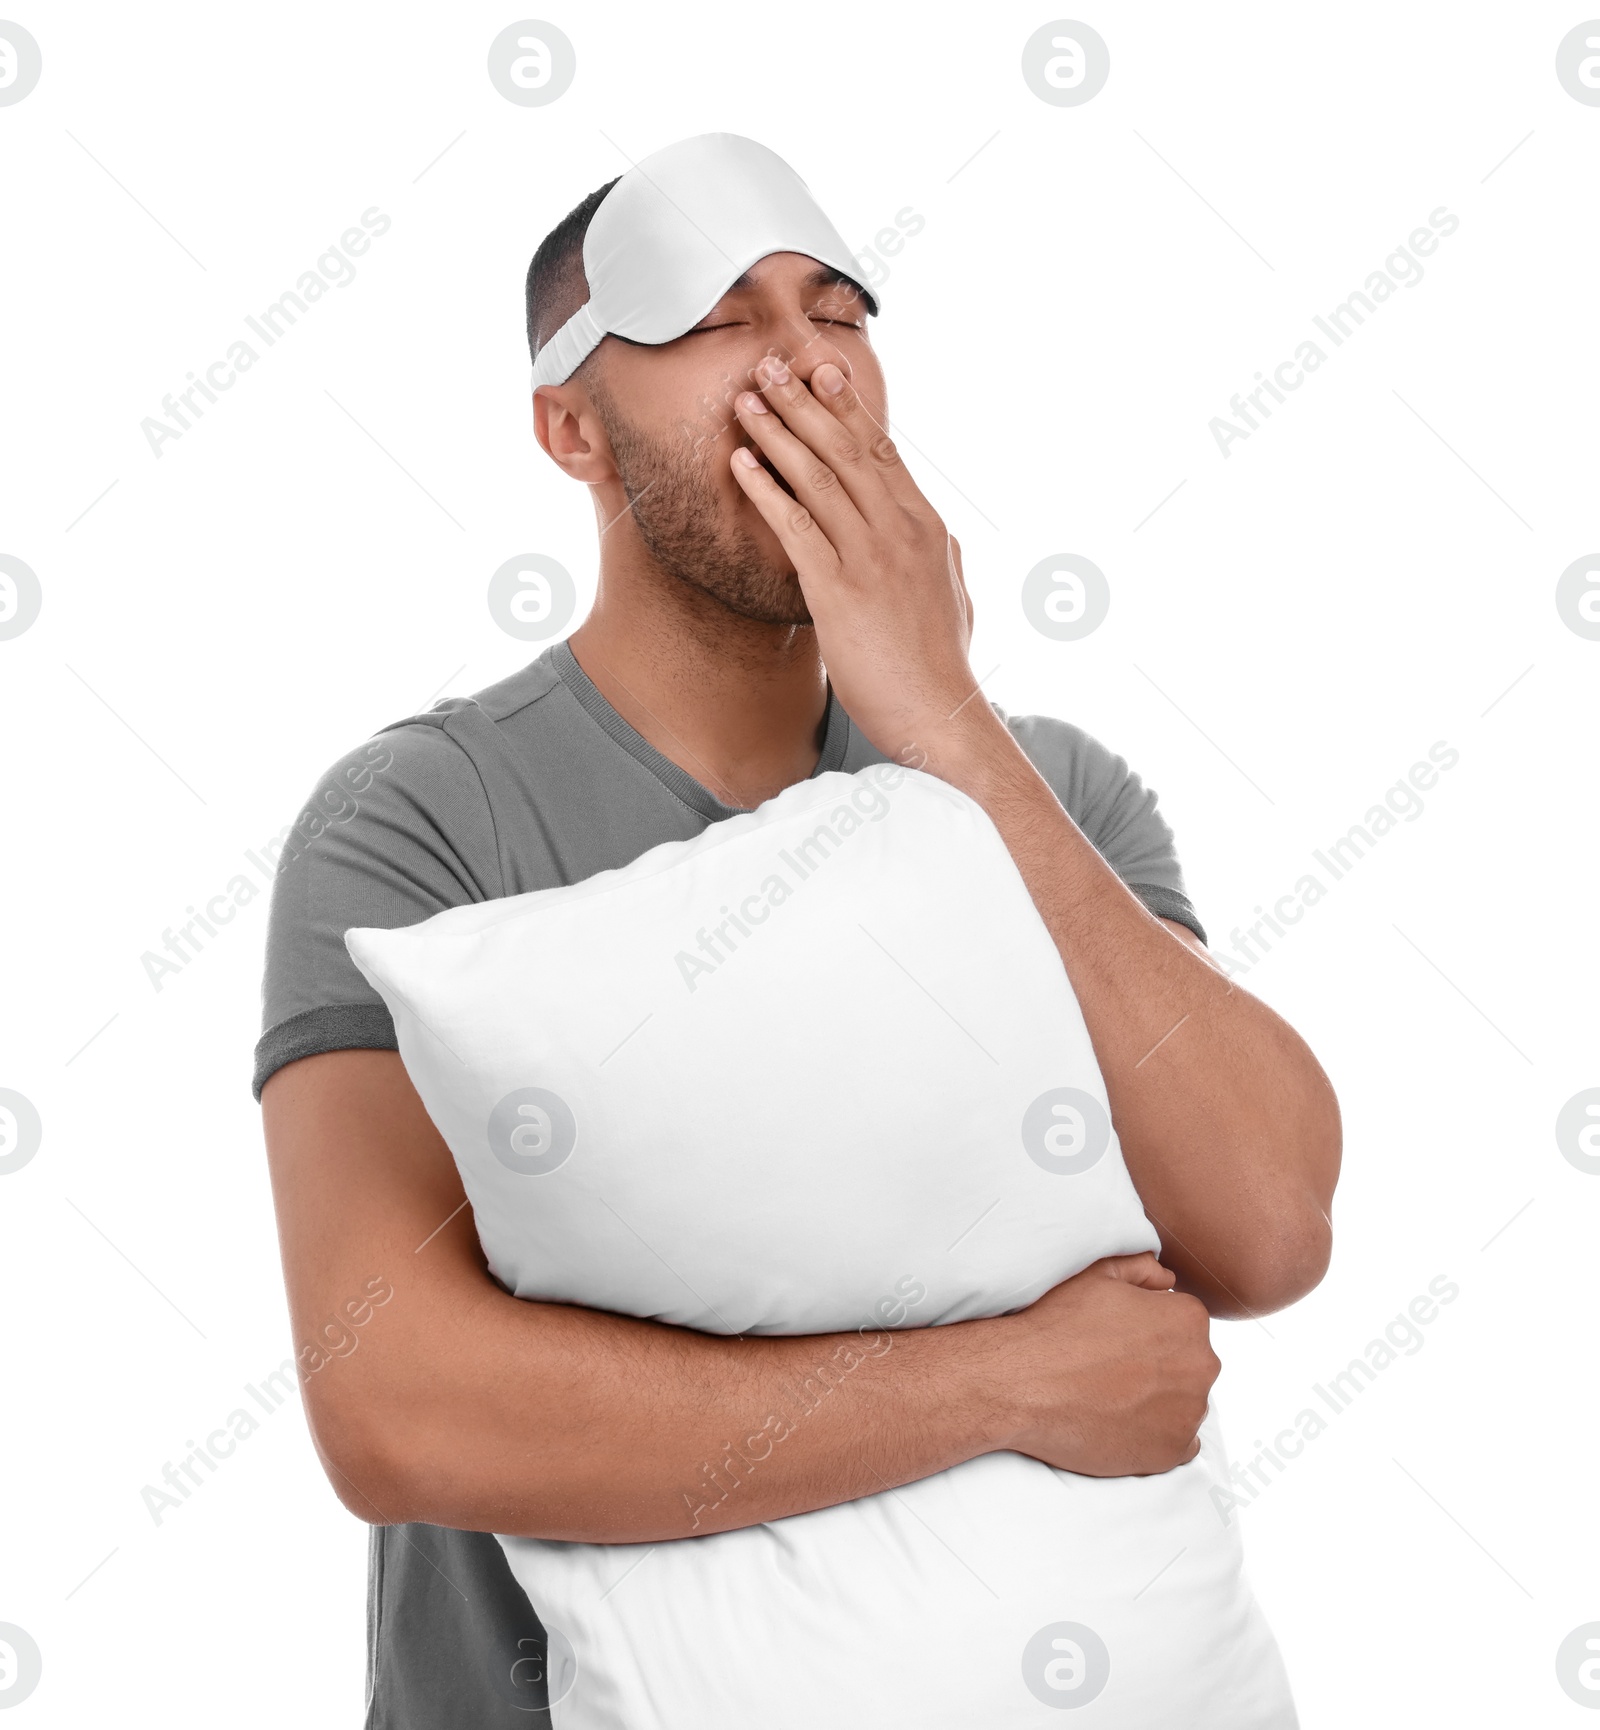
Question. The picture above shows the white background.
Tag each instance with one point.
(1372, 571)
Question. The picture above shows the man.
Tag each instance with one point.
(775, 599)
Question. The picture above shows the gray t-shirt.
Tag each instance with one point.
(535, 782)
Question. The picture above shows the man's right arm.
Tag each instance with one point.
(463, 1406)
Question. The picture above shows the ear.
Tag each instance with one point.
(570, 432)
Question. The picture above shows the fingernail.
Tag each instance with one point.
(828, 379)
(745, 457)
(752, 404)
(775, 370)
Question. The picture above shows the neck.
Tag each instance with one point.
(739, 705)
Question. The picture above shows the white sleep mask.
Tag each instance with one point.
(676, 231)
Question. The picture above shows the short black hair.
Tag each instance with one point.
(556, 285)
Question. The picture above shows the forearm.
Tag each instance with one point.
(1228, 1125)
(552, 1421)
(455, 1403)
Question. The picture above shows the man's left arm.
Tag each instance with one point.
(1228, 1125)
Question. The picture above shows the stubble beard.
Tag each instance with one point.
(677, 515)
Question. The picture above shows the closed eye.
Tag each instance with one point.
(734, 324)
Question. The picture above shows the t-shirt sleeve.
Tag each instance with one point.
(1114, 809)
(394, 832)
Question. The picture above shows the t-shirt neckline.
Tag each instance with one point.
(835, 738)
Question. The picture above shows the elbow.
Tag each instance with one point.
(390, 1464)
(1291, 1245)
(1290, 1259)
(363, 1466)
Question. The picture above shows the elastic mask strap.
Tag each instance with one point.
(568, 349)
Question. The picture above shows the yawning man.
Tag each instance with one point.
(775, 599)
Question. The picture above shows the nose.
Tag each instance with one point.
(802, 347)
(819, 348)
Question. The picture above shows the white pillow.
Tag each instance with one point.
(820, 1068)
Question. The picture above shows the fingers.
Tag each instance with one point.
(831, 423)
(1141, 1270)
(816, 483)
(799, 532)
(879, 456)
